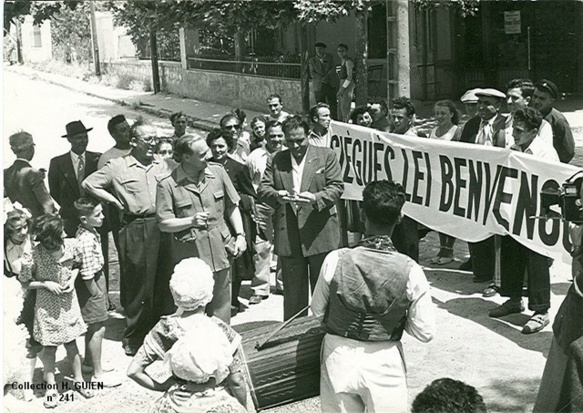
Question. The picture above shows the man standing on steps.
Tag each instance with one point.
(324, 79)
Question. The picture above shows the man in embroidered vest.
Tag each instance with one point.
(368, 295)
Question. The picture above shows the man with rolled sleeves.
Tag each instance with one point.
(192, 204)
(129, 183)
(545, 93)
(303, 185)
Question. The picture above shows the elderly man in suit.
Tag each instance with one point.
(22, 182)
(66, 172)
(303, 184)
(488, 128)
(323, 75)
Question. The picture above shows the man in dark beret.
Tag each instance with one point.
(545, 94)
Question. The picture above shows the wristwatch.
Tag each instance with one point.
(242, 234)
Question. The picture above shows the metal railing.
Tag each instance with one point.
(253, 67)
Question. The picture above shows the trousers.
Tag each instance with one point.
(300, 275)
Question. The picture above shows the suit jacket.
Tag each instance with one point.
(322, 72)
(25, 184)
(313, 226)
(472, 127)
(65, 188)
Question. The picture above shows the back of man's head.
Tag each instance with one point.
(20, 142)
(446, 395)
(382, 202)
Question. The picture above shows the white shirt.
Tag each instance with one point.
(317, 140)
(421, 315)
(283, 115)
(485, 132)
(542, 150)
(447, 136)
(110, 154)
(298, 171)
(15, 254)
(75, 158)
(256, 163)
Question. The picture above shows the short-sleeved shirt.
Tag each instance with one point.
(110, 154)
(178, 196)
(132, 183)
(89, 253)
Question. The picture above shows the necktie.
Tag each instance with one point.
(80, 172)
(485, 134)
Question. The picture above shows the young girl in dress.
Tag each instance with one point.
(20, 349)
(57, 316)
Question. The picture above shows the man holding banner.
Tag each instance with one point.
(515, 258)
(488, 129)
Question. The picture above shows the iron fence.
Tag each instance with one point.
(252, 66)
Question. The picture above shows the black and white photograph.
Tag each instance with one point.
(229, 206)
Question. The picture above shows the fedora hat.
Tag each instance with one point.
(74, 128)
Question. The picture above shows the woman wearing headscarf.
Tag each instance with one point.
(202, 354)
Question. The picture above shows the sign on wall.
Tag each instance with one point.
(512, 22)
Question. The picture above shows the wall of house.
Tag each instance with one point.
(245, 91)
(36, 46)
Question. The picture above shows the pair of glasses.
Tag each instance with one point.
(148, 139)
(165, 152)
(233, 127)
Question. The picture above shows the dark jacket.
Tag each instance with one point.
(65, 188)
(315, 226)
(472, 127)
(25, 184)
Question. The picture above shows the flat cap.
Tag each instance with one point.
(495, 93)
(470, 96)
(320, 44)
(549, 87)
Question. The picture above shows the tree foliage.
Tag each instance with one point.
(71, 33)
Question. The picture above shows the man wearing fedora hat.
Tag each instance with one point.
(323, 77)
(545, 93)
(22, 182)
(66, 172)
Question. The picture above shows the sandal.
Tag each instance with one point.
(51, 399)
(435, 260)
(79, 387)
(444, 260)
(536, 323)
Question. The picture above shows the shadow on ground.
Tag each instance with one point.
(512, 394)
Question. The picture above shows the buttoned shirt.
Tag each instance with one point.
(110, 154)
(179, 196)
(298, 172)
(320, 140)
(89, 253)
(132, 183)
(76, 158)
(540, 149)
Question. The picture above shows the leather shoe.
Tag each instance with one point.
(536, 323)
(256, 299)
(467, 266)
(509, 307)
(491, 291)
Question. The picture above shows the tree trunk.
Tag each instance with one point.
(19, 56)
(305, 81)
(361, 57)
(154, 58)
(239, 48)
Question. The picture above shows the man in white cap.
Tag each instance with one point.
(488, 129)
(470, 101)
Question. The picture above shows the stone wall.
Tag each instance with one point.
(230, 89)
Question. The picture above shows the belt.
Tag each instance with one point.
(189, 235)
(129, 218)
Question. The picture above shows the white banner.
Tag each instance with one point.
(467, 191)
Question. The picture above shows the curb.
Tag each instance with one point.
(194, 122)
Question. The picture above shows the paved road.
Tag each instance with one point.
(490, 354)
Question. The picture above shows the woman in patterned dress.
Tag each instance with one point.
(203, 354)
(57, 316)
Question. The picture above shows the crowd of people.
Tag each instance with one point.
(192, 217)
